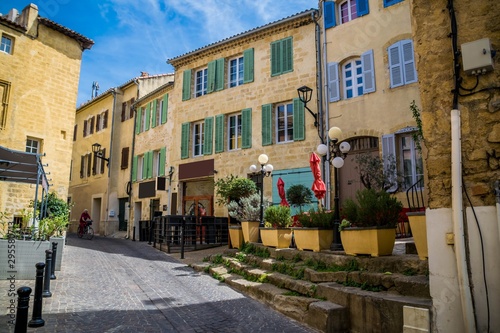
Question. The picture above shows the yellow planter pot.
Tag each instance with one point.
(278, 238)
(419, 231)
(250, 231)
(373, 241)
(236, 235)
(314, 239)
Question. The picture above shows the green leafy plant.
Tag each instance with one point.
(247, 208)
(277, 217)
(344, 224)
(378, 173)
(316, 219)
(372, 208)
(418, 135)
(233, 188)
(298, 195)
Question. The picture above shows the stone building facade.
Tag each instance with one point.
(461, 124)
(39, 71)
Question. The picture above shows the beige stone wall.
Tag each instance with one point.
(265, 89)
(43, 72)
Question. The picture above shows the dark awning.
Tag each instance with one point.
(21, 167)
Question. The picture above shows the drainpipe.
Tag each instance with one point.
(132, 151)
(497, 193)
(458, 223)
(113, 91)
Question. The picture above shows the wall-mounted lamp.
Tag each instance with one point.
(98, 152)
(305, 95)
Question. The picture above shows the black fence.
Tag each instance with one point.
(184, 232)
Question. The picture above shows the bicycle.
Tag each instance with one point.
(86, 230)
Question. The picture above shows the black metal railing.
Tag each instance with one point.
(415, 196)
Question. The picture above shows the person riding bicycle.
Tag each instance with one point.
(85, 218)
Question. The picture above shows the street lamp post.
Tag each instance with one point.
(335, 153)
(265, 171)
(98, 152)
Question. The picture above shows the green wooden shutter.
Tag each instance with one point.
(298, 120)
(138, 118)
(162, 159)
(134, 168)
(267, 123)
(164, 110)
(219, 133)
(148, 117)
(248, 66)
(144, 166)
(212, 67)
(153, 120)
(185, 140)
(208, 136)
(246, 128)
(150, 164)
(186, 85)
(219, 76)
(287, 51)
(275, 58)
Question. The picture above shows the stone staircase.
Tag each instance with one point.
(328, 291)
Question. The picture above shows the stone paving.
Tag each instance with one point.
(115, 285)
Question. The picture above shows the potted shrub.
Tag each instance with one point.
(298, 195)
(276, 232)
(314, 230)
(247, 211)
(373, 218)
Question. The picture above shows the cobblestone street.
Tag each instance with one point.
(117, 285)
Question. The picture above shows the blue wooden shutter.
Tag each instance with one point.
(410, 74)
(362, 7)
(248, 65)
(395, 65)
(138, 118)
(368, 72)
(299, 128)
(388, 3)
(162, 158)
(208, 136)
(329, 14)
(287, 50)
(186, 85)
(211, 76)
(153, 118)
(388, 150)
(333, 81)
(267, 124)
(185, 140)
(164, 110)
(246, 128)
(275, 58)
(219, 133)
(219, 74)
(134, 168)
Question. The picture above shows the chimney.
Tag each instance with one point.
(144, 74)
(28, 17)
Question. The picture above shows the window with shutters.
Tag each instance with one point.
(402, 63)
(33, 146)
(124, 159)
(347, 10)
(7, 44)
(282, 56)
(341, 12)
(158, 108)
(356, 77)
(234, 132)
(75, 131)
(85, 165)
(101, 121)
(198, 138)
(140, 167)
(201, 79)
(127, 110)
(235, 72)
(284, 122)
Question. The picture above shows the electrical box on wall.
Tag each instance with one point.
(477, 57)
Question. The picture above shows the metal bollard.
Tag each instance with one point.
(133, 235)
(23, 303)
(183, 230)
(46, 279)
(53, 266)
(36, 318)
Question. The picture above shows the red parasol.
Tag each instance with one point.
(281, 192)
(318, 185)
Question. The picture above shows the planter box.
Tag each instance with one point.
(315, 239)
(250, 231)
(27, 254)
(419, 231)
(236, 236)
(372, 241)
(278, 238)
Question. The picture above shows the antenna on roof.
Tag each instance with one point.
(95, 89)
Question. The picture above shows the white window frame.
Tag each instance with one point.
(237, 138)
(6, 44)
(101, 121)
(33, 145)
(159, 107)
(356, 65)
(143, 119)
(415, 160)
(98, 165)
(156, 163)
(285, 109)
(238, 80)
(350, 14)
(198, 138)
(89, 128)
(200, 88)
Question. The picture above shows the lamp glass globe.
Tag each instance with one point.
(345, 147)
(263, 159)
(338, 162)
(253, 168)
(322, 149)
(268, 168)
(334, 133)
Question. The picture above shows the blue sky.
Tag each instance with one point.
(140, 35)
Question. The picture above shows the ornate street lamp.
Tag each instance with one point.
(265, 171)
(98, 152)
(305, 95)
(335, 153)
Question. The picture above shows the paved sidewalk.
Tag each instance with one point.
(117, 285)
